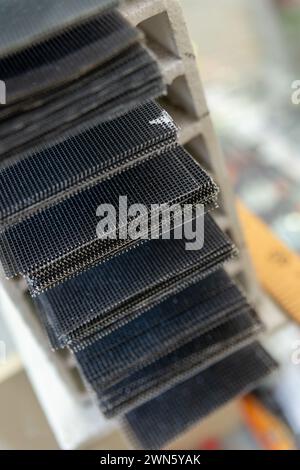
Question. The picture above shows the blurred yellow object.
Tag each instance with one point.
(277, 267)
(269, 431)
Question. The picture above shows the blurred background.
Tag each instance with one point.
(249, 56)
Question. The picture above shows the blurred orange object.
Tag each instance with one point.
(269, 431)
(277, 267)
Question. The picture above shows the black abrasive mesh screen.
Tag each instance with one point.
(25, 23)
(109, 295)
(147, 381)
(93, 72)
(61, 240)
(65, 57)
(54, 172)
(160, 330)
(157, 422)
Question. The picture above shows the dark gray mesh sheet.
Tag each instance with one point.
(162, 329)
(186, 361)
(61, 241)
(79, 130)
(108, 296)
(121, 84)
(52, 173)
(65, 57)
(157, 422)
(23, 23)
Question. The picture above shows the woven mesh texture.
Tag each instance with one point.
(162, 329)
(24, 23)
(62, 240)
(119, 85)
(101, 82)
(157, 422)
(106, 297)
(65, 57)
(56, 171)
(185, 361)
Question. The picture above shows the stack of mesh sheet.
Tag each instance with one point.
(39, 179)
(155, 423)
(160, 332)
(184, 362)
(160, 329)
(104, 298)
(172, 340)
(61, 240)
(95, 69)
(30, 22)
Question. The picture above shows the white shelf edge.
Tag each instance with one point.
(136, 11)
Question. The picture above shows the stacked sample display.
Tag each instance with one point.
(184, 404)
(160, 332)
(93, 69)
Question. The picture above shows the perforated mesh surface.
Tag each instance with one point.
(139, 323)
(25, 23)
(118, 86)
(162, 329)
(107, 296)
(154, 424)
(66, 56)
(102, 81)
(56, 171)
(187, 360)
(61, 240)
